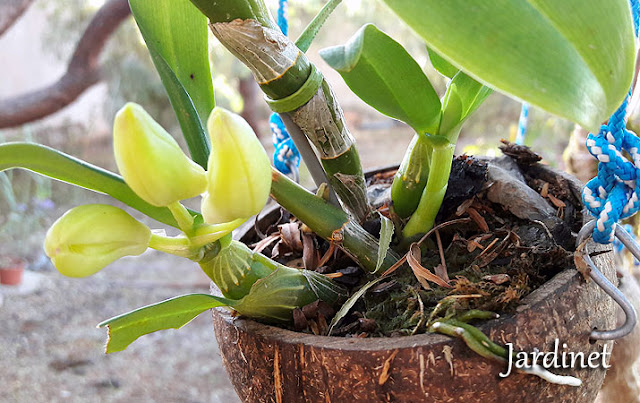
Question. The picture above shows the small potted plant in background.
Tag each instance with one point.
(22, 227)
(542, 53)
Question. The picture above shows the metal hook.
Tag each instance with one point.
(608, 287)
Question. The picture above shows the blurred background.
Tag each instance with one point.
(49, 347)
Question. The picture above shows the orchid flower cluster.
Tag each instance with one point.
(234, 187)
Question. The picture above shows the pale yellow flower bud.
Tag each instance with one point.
(150, 160)
(239, 170)
(88, 238)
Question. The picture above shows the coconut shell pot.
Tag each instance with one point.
(271, 364)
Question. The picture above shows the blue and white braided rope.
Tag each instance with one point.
(286, 156)
(523, 124)
(283, 13)
(613, 194)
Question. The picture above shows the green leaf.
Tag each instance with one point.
(574, 58)
(58, 165)
(170, 314)
(383, 74)
(441, 65)
(452, 111)
(346, 307)
(464, 95)
(192, 128)
(274, 297)
(386, 233)
(473, 96)
(308, 35)
(471, 93)
(175, 32)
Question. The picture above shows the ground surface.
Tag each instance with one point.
(51, 351)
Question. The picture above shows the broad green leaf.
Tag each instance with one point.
(58, 165)
(441, 65)
(386, 234)
(170, 314)
(178, 32)
(175, 32)
(574, 58)
(383, 74)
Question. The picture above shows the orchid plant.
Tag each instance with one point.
(574, 58)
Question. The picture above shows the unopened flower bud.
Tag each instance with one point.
(151, 161)
(239, 171)
(88, 238)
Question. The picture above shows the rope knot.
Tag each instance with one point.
(613, 194)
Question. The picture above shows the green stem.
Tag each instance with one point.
(207, 233)
(422, 220)
(322, 217)
(182, 216)
(294, 87)
(336, 147)
(244, 27)
(411, 178)
(229, 10)
(310, 32)
(178, 246)
(329, 222)
(309, 157)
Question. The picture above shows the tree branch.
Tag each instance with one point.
(10, 11)
(82, 71)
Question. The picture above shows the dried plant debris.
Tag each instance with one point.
(482, 256)
(313, 318)
(522, 154)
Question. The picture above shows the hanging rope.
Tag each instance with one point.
(286, 157)
(613, 195)
(283, 14)
(523, 124)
